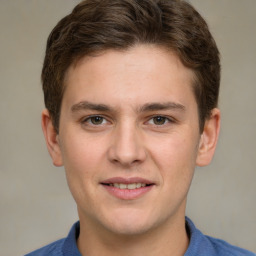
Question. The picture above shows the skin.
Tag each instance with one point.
(146, 126)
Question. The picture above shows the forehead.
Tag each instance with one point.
(144, 72)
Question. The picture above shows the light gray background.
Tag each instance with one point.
(35, 204)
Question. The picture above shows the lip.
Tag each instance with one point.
(127, 194)
(126, 180)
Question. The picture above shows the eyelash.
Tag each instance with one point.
(166, 120)
(88, 120)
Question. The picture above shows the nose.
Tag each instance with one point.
(127, 147)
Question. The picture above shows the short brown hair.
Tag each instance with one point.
(97, 25)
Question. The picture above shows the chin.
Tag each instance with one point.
(129, 229)
(131, 223)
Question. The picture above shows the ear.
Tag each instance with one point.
(209, 138)
(51, 138)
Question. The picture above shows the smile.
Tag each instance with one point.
(128, 186)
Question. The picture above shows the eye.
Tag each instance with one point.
(159, 120)
(95, 120)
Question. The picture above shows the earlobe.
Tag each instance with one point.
(51, 138)
(209, 138)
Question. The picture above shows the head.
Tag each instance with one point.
(95, 26)
(131, 88)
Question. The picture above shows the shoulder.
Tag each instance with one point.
(63, 247)
(201, 245)
(53, 249)
(225, 249)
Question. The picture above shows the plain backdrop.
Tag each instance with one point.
(35, 204)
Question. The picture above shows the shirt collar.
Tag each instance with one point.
(70, 246)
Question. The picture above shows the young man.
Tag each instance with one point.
(131, 90)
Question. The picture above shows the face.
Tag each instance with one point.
(129, 139)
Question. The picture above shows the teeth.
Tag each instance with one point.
(131, 186)
(123, 186)
(128, 186)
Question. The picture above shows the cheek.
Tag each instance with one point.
(81, 154)
(175, 157)
(82, 161)
(82, 165)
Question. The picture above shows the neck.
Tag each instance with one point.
(165, 240)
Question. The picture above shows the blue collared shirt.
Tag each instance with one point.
(200, 245)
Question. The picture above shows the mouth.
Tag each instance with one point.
(127, 186)
(127, 189)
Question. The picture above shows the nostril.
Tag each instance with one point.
(126, 148)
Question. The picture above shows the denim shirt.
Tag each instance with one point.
(199, 245)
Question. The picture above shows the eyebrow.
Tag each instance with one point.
(85, 105)
(162, 106)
